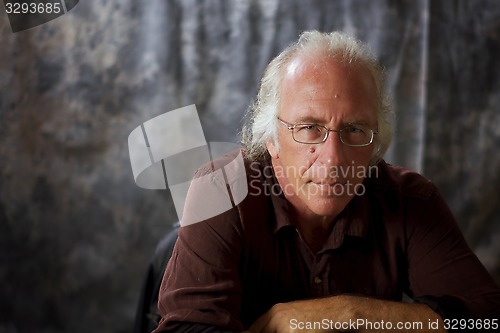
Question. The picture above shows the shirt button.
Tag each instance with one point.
(317, 280)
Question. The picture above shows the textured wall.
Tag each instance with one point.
(76, 233)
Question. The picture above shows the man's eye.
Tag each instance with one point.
(314, 128)
(353, 130)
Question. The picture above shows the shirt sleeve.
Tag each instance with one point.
(201, 283)
(443, 271)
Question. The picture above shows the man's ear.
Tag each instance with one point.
(272, 149)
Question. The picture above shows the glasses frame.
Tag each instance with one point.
(291, 127)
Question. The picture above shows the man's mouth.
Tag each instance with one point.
(329, 182)
(329, 187)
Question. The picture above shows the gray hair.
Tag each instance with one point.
(262, 124)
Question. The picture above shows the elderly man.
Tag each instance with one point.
(330, 237)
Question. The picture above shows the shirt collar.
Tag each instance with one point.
(282, 212)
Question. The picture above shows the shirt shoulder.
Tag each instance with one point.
(235, 161)
(401, 181)
(230, 183)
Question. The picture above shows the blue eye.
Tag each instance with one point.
(353, 130)
(311, 127)
(309, 133)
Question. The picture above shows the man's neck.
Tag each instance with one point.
(314, 229)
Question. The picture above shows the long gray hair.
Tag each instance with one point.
(262, 124)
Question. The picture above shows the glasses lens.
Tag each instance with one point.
(356, 135)
(309, 133)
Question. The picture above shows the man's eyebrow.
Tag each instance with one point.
(358, 122)
(308, 120)
(315, 120)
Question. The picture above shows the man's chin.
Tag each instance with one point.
(328, 205)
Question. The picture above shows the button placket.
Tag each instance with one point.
(318, 284)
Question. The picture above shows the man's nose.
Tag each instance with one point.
(332, 151)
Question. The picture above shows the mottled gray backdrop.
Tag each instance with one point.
(76, 233)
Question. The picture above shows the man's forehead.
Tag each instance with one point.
(311, 69)
(312, 85)
(313, 62)
(300, 66)
(306, 68)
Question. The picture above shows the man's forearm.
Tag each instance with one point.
(349, 313)
(372, 313)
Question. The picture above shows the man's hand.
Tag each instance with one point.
(280, 317)
(326, 312)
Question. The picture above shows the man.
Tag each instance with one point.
(329, 237)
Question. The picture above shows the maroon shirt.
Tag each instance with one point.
(399, 237)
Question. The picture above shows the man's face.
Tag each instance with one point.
(321, 179)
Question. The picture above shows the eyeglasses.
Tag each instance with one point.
(351, 135)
